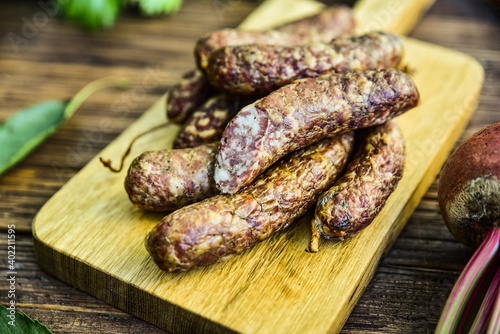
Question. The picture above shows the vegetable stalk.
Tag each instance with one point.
(467, 285)
(27, 128)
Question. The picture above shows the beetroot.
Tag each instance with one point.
(469, 188)
(469, 198)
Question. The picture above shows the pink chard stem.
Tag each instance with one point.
(494, 324)
(484, 314)
(458, 302)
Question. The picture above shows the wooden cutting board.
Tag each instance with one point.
(89, 235)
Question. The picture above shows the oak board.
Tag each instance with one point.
(89, 235)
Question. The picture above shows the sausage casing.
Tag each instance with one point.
(207, 123)
(323, 27)
(224, 225)
(260, 69)
(306, 111)
(191, 91)
(169, 179)
(194, 89)
(359, 195)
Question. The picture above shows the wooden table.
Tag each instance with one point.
(42, 57)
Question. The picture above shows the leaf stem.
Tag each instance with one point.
(484, 313)
(494, 323)
(467, 282)
(91, 88)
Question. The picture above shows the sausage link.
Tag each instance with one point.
(185, 96)
(169, 179)
(194, 89)
(225, 225)
(306, 111)
(261, 69)
(359, 195)
(207, 123)
(329, 24)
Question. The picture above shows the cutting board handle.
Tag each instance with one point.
(397, 16)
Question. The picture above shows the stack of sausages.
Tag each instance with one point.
(274, 123)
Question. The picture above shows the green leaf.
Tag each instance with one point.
(91, 14)
(27, 128)
(24, 130)
(158, 7)
(13, 322)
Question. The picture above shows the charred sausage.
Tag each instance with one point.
(225, 225)
(306, 111)
(329, 24)
(207, 123)
(169, 179)
(248, 69)
(359, 195)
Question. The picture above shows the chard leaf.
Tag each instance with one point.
(29, 127)
(13, 322)
(26, 129)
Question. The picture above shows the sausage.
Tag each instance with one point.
(225, 225)
(260, 69)
(169, 179)
(194, 89)
(186, 95)
(303, 112)
(207, 123)
(329, 24)
(359, 195)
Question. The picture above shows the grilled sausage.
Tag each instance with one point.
(329, 24)
(260, 69)
(207, 123)
(193, 89)
(186, 95)
(306, 111)
(359, 195)
(169, 179)
(225, 225)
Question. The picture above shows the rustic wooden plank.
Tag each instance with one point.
(394, 313)
(59, 306)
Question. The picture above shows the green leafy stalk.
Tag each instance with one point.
(467, 283)
(27, 128)
(13, 322)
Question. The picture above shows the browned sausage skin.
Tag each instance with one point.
(359, 195)
(225, 225)
(169, 179)
(323, 27)
(304, 112)
(249, 69)
(207, 123)
(191, 91)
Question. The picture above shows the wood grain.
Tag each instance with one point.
(77, 239)
(413, 280)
